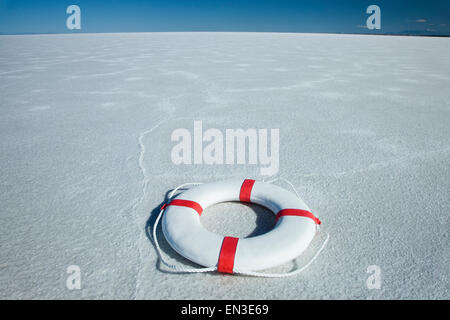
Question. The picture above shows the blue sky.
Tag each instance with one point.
(49, 16)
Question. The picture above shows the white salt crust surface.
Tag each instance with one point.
(85, 158)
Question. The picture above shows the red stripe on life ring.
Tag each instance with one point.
(246, 190)
(297, 212)
(227, 254)
(187, 203)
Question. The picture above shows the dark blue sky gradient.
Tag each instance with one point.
(49, 16)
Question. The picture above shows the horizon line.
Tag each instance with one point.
(405, 33)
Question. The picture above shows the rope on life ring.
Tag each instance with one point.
(229, 243)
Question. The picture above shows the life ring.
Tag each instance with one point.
(294, 230)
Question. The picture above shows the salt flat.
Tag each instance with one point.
(85, 153)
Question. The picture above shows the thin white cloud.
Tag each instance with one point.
(421, 20)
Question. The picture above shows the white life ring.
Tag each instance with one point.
(293, 232)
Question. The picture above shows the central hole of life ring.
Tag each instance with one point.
(237, 219)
